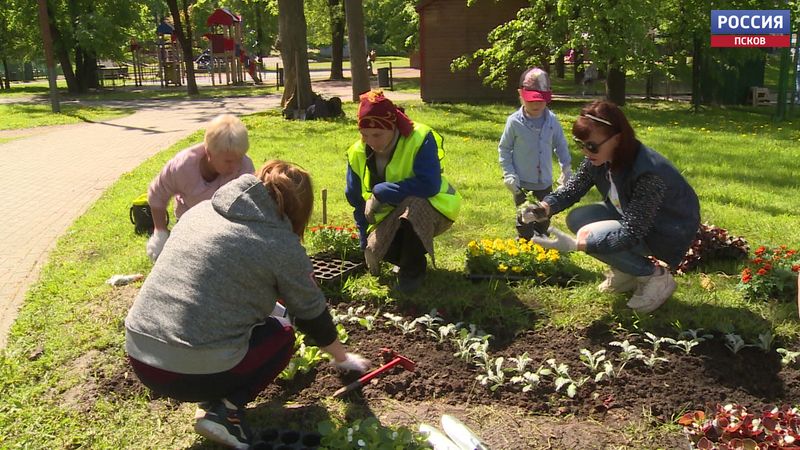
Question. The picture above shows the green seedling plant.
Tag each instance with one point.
(764, 342)
(341, 333)
(734, 342)
(597, 363)
(470, 347)
(695, 334)
(656, 341)
(531, 380)
(444, 332)
(788, 357)
(495, 375)
(405, 326)
(628, 352)
(686, 346)
(520, 362)
(653, 360)
(430, 321)
(370, 434)
(305, 358)
(561, 372)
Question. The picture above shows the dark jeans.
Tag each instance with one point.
(407, 252)
(271, 348)
(526, 230)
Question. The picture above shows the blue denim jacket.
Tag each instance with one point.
(527, 154)
(668, 227)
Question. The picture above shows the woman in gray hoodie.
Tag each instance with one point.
(201, 329)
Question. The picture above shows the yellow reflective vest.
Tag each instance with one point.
(400, 167)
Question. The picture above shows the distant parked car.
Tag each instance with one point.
(202, 61)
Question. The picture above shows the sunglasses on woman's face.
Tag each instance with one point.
(591, 147)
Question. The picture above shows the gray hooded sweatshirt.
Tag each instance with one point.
(218, 276)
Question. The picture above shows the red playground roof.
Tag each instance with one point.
(222, 16)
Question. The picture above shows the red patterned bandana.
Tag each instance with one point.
(377, 111)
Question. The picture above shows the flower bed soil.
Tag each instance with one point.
(711, 374)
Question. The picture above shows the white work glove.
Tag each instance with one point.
(371, 208)
(353, 362)
(156, 243)
(512, 182)
(562, 241)
(565, 174)
(534, 213)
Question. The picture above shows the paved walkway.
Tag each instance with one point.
(51, 177)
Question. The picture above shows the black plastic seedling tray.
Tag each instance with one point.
(331, 270)
(273, 439)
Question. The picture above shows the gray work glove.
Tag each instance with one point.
(561, 242)
(512, 182)
(535, 212)
(371, 208)
(353, 362)
(156, 243)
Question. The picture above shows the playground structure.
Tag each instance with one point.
(226, 54)
(170, 56)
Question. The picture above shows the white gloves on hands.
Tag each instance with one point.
(353, 362)
(371, 208)
(536, 212)
(562, 241)
(156, 243)
(566, 173)
(512, 182)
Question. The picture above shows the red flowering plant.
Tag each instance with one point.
(771, 273)
(732, 427)
(335, 241)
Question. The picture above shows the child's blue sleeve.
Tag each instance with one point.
(560, 146)
(506, 148)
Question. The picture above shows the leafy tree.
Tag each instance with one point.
(391, 26)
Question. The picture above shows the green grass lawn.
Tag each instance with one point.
(28, 115)
(25, 114)
(69, 337)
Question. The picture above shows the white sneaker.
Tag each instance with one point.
(652, 291)
(617, 282)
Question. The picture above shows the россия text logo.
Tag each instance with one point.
(750, 28)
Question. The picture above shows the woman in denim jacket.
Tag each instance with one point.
(648, 208)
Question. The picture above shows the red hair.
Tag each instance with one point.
(608, 119)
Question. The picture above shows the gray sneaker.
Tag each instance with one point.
(617, 282)
(222, 425)
(652, 291)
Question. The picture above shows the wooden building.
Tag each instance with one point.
(449, 29)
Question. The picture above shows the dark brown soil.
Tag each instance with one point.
(711, 374)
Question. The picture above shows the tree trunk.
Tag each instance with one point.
(354, 11)
(185, 41)
(7, 75)
(560, 65)
(297, 93)
(696, 73)
(615, 84)
(259, 32)
(337, 39)
(60, 49)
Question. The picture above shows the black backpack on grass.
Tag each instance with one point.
(141, 216)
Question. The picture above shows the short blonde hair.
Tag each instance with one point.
(290, 187)
(226, 133)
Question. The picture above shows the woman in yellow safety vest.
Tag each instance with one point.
(395, 184)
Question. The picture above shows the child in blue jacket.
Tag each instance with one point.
(530, 134)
